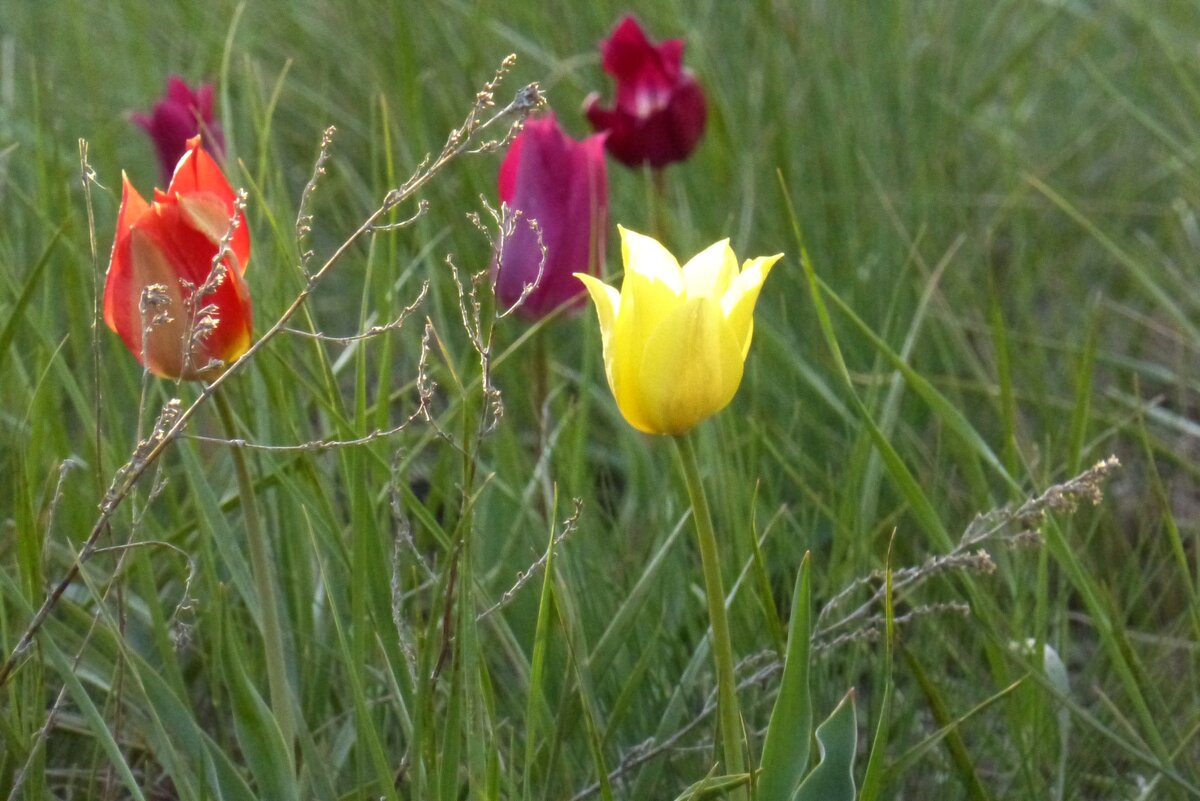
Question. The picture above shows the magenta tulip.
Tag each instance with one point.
(179, 116)
(562, 184)
(659, 113)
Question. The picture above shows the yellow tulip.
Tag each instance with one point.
(675, 338)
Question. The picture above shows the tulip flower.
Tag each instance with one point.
(675, 338)
(179, 116)
(659, 113)
(163, 254)
(562, 184)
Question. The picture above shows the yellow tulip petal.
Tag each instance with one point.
(624, 370)
(738, 301)
(646, 260)
(622, 351)
(607, 301)
(710, 272)
(652, 288)
(608, 305)
(690, 369)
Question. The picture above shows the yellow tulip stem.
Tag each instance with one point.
(265, 581)
(722, 646)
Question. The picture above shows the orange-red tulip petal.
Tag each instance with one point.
(171, 244)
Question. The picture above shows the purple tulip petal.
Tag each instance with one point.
(177, 117)
(562, 184)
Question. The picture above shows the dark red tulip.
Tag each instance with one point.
(659, 113)
(562, 184)
(179, 116)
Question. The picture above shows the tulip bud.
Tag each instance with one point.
(659, 113)
(562, 184)
(180, 115)
(161, 294)
(675, 338)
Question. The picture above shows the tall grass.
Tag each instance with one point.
(997, 202)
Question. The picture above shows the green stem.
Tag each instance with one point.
(658, 200)
(541, 371)
(265, 582)
(727, 704)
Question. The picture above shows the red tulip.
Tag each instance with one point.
(168, 247)
(660, 112)
(178, 117)
(562, 184)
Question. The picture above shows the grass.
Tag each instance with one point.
(998, 206)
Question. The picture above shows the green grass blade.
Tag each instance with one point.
(1174, 537)
(1004, 382)
(937, 402)
(949, 728)
(258, 733)
(1134, 750)
(909, 487)
(1139, 272)
(713, 787)
(449, 754)
(358, 696)
(766, 600)
(786, 746)
(617, 632)
(1082, 409)
(595, 743)
(537, 714)
(873, 780)
(97, 725)
(1112, 638)
(16, 314)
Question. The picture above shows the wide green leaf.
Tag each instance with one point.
(837, 738)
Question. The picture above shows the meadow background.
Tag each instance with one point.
(1000, 199)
